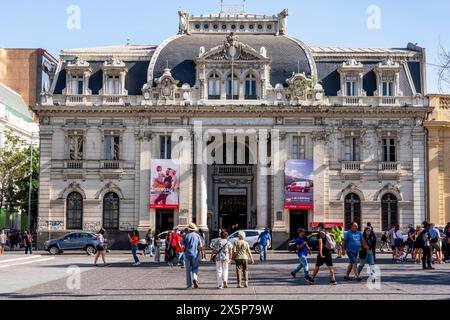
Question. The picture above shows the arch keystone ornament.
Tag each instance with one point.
(110, 187)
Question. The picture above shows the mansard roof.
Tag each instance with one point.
(287, 54)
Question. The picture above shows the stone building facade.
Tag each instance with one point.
(252, 96)
(438, 126)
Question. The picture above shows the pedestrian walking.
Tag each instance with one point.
(149, 238)
(417, 246)
(203, 238)
(171, 247)
(28, 242)
(2, 241)
(373, 238)
(157, 245)
(446, 243)
(134, 241)
(366, 255)
(241, 255)
(424, 242)
(353, 242)
(338, 236)
(180, 249)
(397, 236)
(101, 252)
(264, 241)
(222, 254)
(435, 244)
(192, 244)
(384, 242)
(303, 250)
(326, 247)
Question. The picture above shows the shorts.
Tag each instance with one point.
(435, 246)
(100, 248)
(3, 245)
(353, 257)
(328, 260)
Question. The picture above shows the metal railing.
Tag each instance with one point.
(233, 170)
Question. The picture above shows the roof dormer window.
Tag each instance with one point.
(388, 76)
(352, 73)
(113, 85)
(114, 76)
(77, 86)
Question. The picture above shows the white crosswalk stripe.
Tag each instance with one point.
(20, 259)
(23, 261)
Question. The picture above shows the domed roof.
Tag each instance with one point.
(288, 55)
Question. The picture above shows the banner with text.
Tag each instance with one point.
(299, 185)
(165, 184)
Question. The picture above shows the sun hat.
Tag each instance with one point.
(192, 227)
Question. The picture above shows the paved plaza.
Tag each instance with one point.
(47, 277)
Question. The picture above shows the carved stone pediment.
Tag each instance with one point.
(166, 85)
(299, 86)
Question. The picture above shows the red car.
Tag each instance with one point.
(300, 186)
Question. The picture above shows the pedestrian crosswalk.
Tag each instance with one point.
(8, 263)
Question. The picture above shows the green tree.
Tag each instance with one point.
(15, 174)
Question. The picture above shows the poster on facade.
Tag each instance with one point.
(299, 185)
(164, 184)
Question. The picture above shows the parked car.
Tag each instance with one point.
(251, 236)
(83, 241)
(312, 242)
(300, 186)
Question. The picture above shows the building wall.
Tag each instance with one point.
(438, 126)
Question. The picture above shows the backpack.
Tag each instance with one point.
(419, 240)
(330, 243)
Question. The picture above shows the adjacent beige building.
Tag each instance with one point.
(438, 126)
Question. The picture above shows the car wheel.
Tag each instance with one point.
(256, 248)
(54, 250)
(90, 250)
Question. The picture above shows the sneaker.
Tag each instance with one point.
(136, 264)
(95, 265)
(309, 279)
(293, 275)
(359, 279)
(333, 282)
(431, 268)
(195, 284)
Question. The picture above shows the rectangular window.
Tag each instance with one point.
(350, 87)
(352, 149)
(77, 85)
(389, 150)
(112, 148)
(250, 89)
(233, 90)
(76, 147)
(388, 89)
(299, 148)
(113, 85)
(165, 147)
(214, 88)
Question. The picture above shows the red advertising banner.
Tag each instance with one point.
(165, 184)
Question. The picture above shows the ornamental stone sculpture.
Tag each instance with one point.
(184, 22)
(282, 22)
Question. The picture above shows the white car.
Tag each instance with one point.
(251, 236)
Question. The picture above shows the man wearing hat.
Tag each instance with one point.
(192, 255)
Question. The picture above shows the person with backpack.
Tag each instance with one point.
(326, 247)
(353, 241)
(302, 251)
(28, 242)
(222, 254)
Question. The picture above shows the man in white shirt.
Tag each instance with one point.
(2, 242)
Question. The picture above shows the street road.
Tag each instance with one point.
(47, 277)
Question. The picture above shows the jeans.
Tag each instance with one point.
(370, 260)
(263, 251)
(222, 272)
(150, 249)
(426, 257)
(302, 265)
(134, 250)
(191, 264)
(29, 248)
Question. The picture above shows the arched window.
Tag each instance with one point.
(111, 206)
(352, 210)
(389, 211)
(232, 87)
(250, 87)
(214, 87)
(74, 211)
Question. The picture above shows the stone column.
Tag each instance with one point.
(419, 151)
(435, 147)
(202, 186)
(262, 184)
(144, 178)
(320, 170)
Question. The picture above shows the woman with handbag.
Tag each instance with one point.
(221, 256)
(366, 254)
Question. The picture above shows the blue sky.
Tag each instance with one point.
(29, 23)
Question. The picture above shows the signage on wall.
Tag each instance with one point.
(299, 185)
(165, 184)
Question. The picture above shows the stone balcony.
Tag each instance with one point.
(365, 101)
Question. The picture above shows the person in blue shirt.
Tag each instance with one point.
(264, 241)
(302, 250)
(192, 244)
(353, 241)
